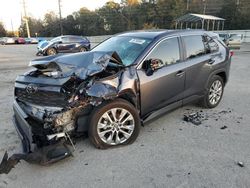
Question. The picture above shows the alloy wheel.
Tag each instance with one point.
(116, 126)
(215, 92)
(52, 51)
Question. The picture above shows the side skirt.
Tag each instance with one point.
(153, 115)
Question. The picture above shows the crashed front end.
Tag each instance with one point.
(51, 99)
(43, 117)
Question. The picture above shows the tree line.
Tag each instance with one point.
(133, 15)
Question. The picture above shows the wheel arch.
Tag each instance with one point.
(220, 72)
(223, 76)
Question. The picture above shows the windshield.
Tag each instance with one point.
(128, 48)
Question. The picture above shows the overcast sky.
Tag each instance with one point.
(11, 10)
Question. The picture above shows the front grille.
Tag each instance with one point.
(44, 98)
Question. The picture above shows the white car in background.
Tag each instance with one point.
(7, 40)
(235, 41)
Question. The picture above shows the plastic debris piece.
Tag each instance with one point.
(224, 127)
(240, 164)
(194, 118)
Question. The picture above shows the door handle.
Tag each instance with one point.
(180, 73)
(211, 61)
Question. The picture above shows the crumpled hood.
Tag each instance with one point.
(81, 65)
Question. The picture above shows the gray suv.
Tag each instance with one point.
(113, 89)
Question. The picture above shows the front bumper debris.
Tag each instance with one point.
(43, 156)
(59, 150)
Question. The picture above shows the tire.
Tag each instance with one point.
(82, 49)
(51, 51)
(113, 134)
(213, 96)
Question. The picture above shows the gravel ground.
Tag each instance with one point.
(167, 153)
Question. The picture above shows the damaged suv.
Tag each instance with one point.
(110, 91)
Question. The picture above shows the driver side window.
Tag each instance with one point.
(167, 52)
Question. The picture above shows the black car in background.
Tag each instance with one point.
(63, 44)
(110, 91)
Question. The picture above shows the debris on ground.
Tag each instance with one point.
(198, 116)
(240, 164)
(195, 118)
(224, 127)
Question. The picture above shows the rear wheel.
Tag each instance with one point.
(51, 51)
(114, 123)
(214, 92)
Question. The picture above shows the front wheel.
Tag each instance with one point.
(51, 51)
(82, 49)
(114, 123)
(214, 92)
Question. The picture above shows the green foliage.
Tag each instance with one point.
(236, 15)
(36, 26)
(2, 30)
(137, 14)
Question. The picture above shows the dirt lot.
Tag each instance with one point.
(168, 152)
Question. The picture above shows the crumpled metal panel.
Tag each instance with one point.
(80, 65)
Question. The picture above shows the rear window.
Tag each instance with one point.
(210, 45)
(194, 46)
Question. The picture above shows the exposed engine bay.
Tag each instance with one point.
(54, 100)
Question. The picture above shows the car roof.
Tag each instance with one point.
(71, 36)
(152, 34)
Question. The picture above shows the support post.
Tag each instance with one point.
(218, 26)
(26, 19)
(208, 21)
(60, 16)
(213, 24)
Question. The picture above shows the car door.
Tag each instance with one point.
(59, 44)
(200, 61)
(166, 84)
(72, 45)
(66, 45)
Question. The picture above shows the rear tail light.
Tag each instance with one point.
(231, 53)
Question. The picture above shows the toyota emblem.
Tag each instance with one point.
(31, 88)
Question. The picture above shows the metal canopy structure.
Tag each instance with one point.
(200, 21)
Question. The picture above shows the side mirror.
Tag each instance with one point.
(151, 65)
(59, 42)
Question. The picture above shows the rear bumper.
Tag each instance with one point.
(23, 128)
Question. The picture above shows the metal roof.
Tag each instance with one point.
(197, 17)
